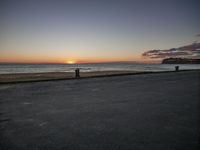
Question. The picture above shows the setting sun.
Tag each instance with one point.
(70, 62)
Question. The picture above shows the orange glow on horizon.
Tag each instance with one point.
(72, 60)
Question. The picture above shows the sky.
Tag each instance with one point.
(84, 31)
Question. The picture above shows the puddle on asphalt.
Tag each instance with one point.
(26, 103)
(42, 124)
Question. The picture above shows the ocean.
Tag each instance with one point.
(36, 68)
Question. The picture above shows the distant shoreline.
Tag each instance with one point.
(180, 61)
(55, 76)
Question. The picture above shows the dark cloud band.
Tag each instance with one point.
(188, 51)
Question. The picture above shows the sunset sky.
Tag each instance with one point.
(82, 31)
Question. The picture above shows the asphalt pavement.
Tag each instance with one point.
(135, 112)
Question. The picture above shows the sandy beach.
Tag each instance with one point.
(31, 77)
(148, 111)
(54, 76)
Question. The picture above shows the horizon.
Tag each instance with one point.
(77, 63)
(83, 32)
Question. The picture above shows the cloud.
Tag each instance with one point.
(188, 51)
(198, 34)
